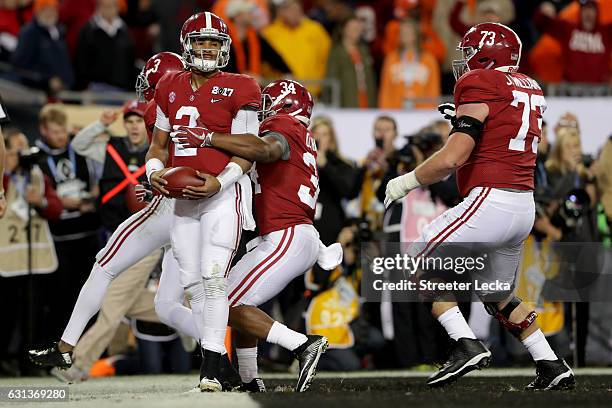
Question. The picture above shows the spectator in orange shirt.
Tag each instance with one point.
(410, 76)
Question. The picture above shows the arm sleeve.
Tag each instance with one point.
(455, 21)
(284, 143)
(162, 121)
(86, 144)
(245, 121)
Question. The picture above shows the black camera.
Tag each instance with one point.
(29, 157)
(425, 141)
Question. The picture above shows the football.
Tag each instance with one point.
(179, 178)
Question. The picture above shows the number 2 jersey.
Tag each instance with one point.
(505, 155)
(286, 190)
(214, 106)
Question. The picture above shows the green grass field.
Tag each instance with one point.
(492, 387)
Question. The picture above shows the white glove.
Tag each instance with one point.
(448, 111)
(399, 187)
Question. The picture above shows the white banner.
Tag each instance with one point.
(354, 126)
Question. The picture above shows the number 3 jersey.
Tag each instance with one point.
(214, 105)
(505, 155)
(286, 190)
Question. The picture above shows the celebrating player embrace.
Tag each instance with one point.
(492, 147)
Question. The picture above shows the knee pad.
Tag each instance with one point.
(215, 287)
(109, 273)
(503, 315)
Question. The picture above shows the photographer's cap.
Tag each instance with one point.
(134, 107)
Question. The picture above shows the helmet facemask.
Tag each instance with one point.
(196, 58)
(266, 107)
(142, 85)
(461, 66)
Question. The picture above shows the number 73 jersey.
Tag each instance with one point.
(286, 190)
(505, 155)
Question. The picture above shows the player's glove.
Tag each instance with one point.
(144, 192)
(448, 111)
(399, 187)
(186, 137)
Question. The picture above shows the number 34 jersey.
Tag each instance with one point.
(505, 155)
(286, 190)
(214, 106)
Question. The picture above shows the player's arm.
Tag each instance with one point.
(464, 136)
(156, 158)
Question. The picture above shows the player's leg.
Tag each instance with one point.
(134, 239)
(220, 231)
(457, 224)
(519, 318)
(259, 276)
(170, 296)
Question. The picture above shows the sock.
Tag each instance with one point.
(538, 347)
(88, 303)
(247, 363)
(217, 313)
(285, 337)
(455, 325)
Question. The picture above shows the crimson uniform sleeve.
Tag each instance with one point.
(477, 87)
(247, 95)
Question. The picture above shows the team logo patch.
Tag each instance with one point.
(172, 97)
(191, 98)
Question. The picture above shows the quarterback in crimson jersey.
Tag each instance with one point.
(286, 189)
(206, 227)
(492, 146)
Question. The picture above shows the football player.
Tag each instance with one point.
(134, 239)
(286, 189)
(206, 227)
(492, 147)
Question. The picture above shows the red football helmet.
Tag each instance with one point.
(488, 46)
(287, 96)
(154, 69)
(201, 26)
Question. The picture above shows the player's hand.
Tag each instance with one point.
(186, 137)
(158, 182)
(448, 111)
(144, 192)
(2, 205)
(396, 189)
(33, 196)
(210, 188)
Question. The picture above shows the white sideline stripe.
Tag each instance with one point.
(487, 372)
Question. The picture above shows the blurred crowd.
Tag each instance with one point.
(387, 54)
(391, 54)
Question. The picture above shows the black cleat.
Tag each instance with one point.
(256, 385)
(228, 376)
(51, 357)
(552, 375)
(308, 355)
(465, 356)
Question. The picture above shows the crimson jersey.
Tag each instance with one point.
(213, 106)
(286, 190)
(505, 155)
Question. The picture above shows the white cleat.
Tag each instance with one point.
(210, 385)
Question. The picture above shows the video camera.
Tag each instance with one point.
(29, 157)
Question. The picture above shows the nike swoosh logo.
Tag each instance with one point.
(212, 100)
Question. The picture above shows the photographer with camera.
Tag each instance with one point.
(30, 202)
(335, 293)
(75, 234)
